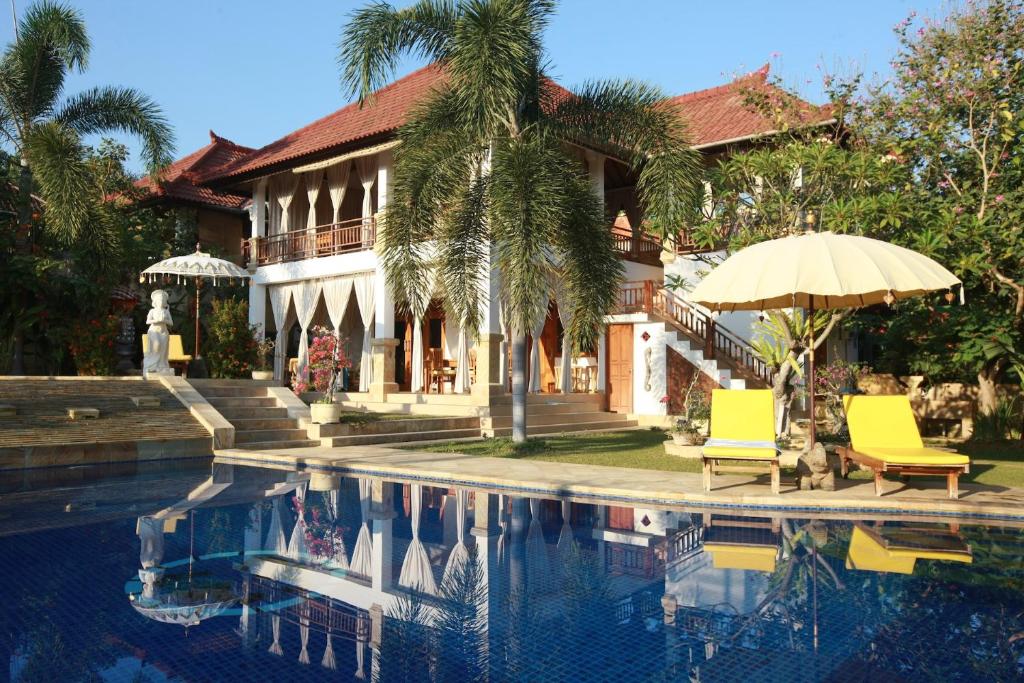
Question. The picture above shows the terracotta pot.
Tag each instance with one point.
(324, 413)
(263, 375)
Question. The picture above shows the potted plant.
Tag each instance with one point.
(264, 355)
(687, 430)
(327, 360)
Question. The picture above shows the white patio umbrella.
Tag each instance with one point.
(820, 271)
(198, 266)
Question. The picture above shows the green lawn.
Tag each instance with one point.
(999, 464)
(359, 418)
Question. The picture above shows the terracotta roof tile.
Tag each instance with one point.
(180, 180)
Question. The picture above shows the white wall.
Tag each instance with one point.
(740, 323)
(647, 401)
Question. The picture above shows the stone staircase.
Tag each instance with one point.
(260, 421)
(555, 414)
(411, 430)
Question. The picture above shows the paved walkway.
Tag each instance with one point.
(852, 498)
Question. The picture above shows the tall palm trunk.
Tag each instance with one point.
(519, 387)
(22, 247)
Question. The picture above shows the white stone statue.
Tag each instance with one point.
(154, 362)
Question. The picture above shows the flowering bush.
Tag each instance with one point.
(231, 349)
(92, 345)
(324, 538)
(834, 381)
(327, 358)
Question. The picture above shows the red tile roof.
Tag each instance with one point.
(721, 114)
(715, 115)
(180, 180)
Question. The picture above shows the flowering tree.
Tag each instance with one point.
(327, 358)
(952, 116)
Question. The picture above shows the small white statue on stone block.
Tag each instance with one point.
(154, 361)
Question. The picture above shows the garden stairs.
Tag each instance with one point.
(261, 422)
(554, 414)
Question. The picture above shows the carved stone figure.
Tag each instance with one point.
(814, 471)
(154, 362)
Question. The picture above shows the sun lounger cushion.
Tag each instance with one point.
(751, 557)
(742, 425)
(886, 421)
(914, 456)
(867, 553)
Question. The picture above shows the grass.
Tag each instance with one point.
(352, 417)
(992, 464)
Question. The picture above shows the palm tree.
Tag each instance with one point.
(484, 170)
(46, 129)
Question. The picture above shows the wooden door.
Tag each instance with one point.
(620, 368)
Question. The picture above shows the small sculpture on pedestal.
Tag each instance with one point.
(154, 362)
(814, 471)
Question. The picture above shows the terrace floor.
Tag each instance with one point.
(922, 496)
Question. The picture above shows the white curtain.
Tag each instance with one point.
(252, 539)
(336, 295)
(535, 332)
(418, 310)
(462, 378)
(361, 555)
(275, 626)
(305, 294)
(276, 542)
(565, 536)
(367, 168)
(538, 566)
(313, 180)
(151, 537)
(304, 639)
(329, 661)
(360, 673)
(280, 295)
(416, 573)
(273, 210)
(565, 377)
(364, 287)
(287, 186)
(297, 548)
(337, 183)
(460, 554)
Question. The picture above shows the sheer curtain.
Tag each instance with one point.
(462, 378)
(364, 287)
(305, 294)
(280, 295)
(538, 329)
(418, 309)
(416, 572)
(313, 180)
(276, 542)
(336, 295)
(337, 183)
(565, 315)
(287, 186)
(367, 169)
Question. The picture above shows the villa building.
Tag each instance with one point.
(315, 201)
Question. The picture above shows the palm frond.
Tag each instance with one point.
(48, 25)
(105, 109)
(378, 35)
(57, 158)
(462, 250)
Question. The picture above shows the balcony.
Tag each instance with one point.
(345, 237)
(642, 248)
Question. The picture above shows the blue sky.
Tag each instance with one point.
(254, 70)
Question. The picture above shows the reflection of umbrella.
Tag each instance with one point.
(819, 271)
(186, 614)
(199, 266)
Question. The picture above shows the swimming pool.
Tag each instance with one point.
(193, 572)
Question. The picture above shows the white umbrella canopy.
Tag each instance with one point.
(198, 266)
(820, 271)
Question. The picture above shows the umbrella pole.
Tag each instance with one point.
(812, 431)
(199, 284)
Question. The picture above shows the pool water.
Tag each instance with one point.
(193, 572)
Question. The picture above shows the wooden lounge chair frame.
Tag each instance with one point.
(952, 472)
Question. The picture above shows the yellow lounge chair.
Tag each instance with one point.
(742, 430)
(884, 438)
(176, 355)
(871, 550)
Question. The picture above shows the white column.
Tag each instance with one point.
(602, 361)
(384, 312)
(380, 574)
(258, 305)
(595, 166)
(384, 186)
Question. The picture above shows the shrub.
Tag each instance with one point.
(1005, 422)
(92, 345)
(231, 350)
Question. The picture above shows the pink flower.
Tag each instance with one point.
(999, 198)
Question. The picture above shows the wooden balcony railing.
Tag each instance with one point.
(647, 296)
(642, 248)
(324, 240)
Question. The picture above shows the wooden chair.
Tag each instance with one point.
(884, 438)
(742, 431)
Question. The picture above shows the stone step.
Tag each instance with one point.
(595, 399)
(219, 402)
(417, 424)
(256, 435)
(232, 414)
(567, 428)
(283, 445)
(248, 424)
(550, 408)
(556, 418)
(233, 391)
(400, 437)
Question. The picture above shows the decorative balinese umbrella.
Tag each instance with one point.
(199, 266)
(820, 271)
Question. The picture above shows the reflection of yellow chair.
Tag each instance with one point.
(884, 438)
(872, 550)
(742, 429)
(176, 355)
(750, 543)
(742, 556)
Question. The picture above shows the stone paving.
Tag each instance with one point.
(922, 496)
